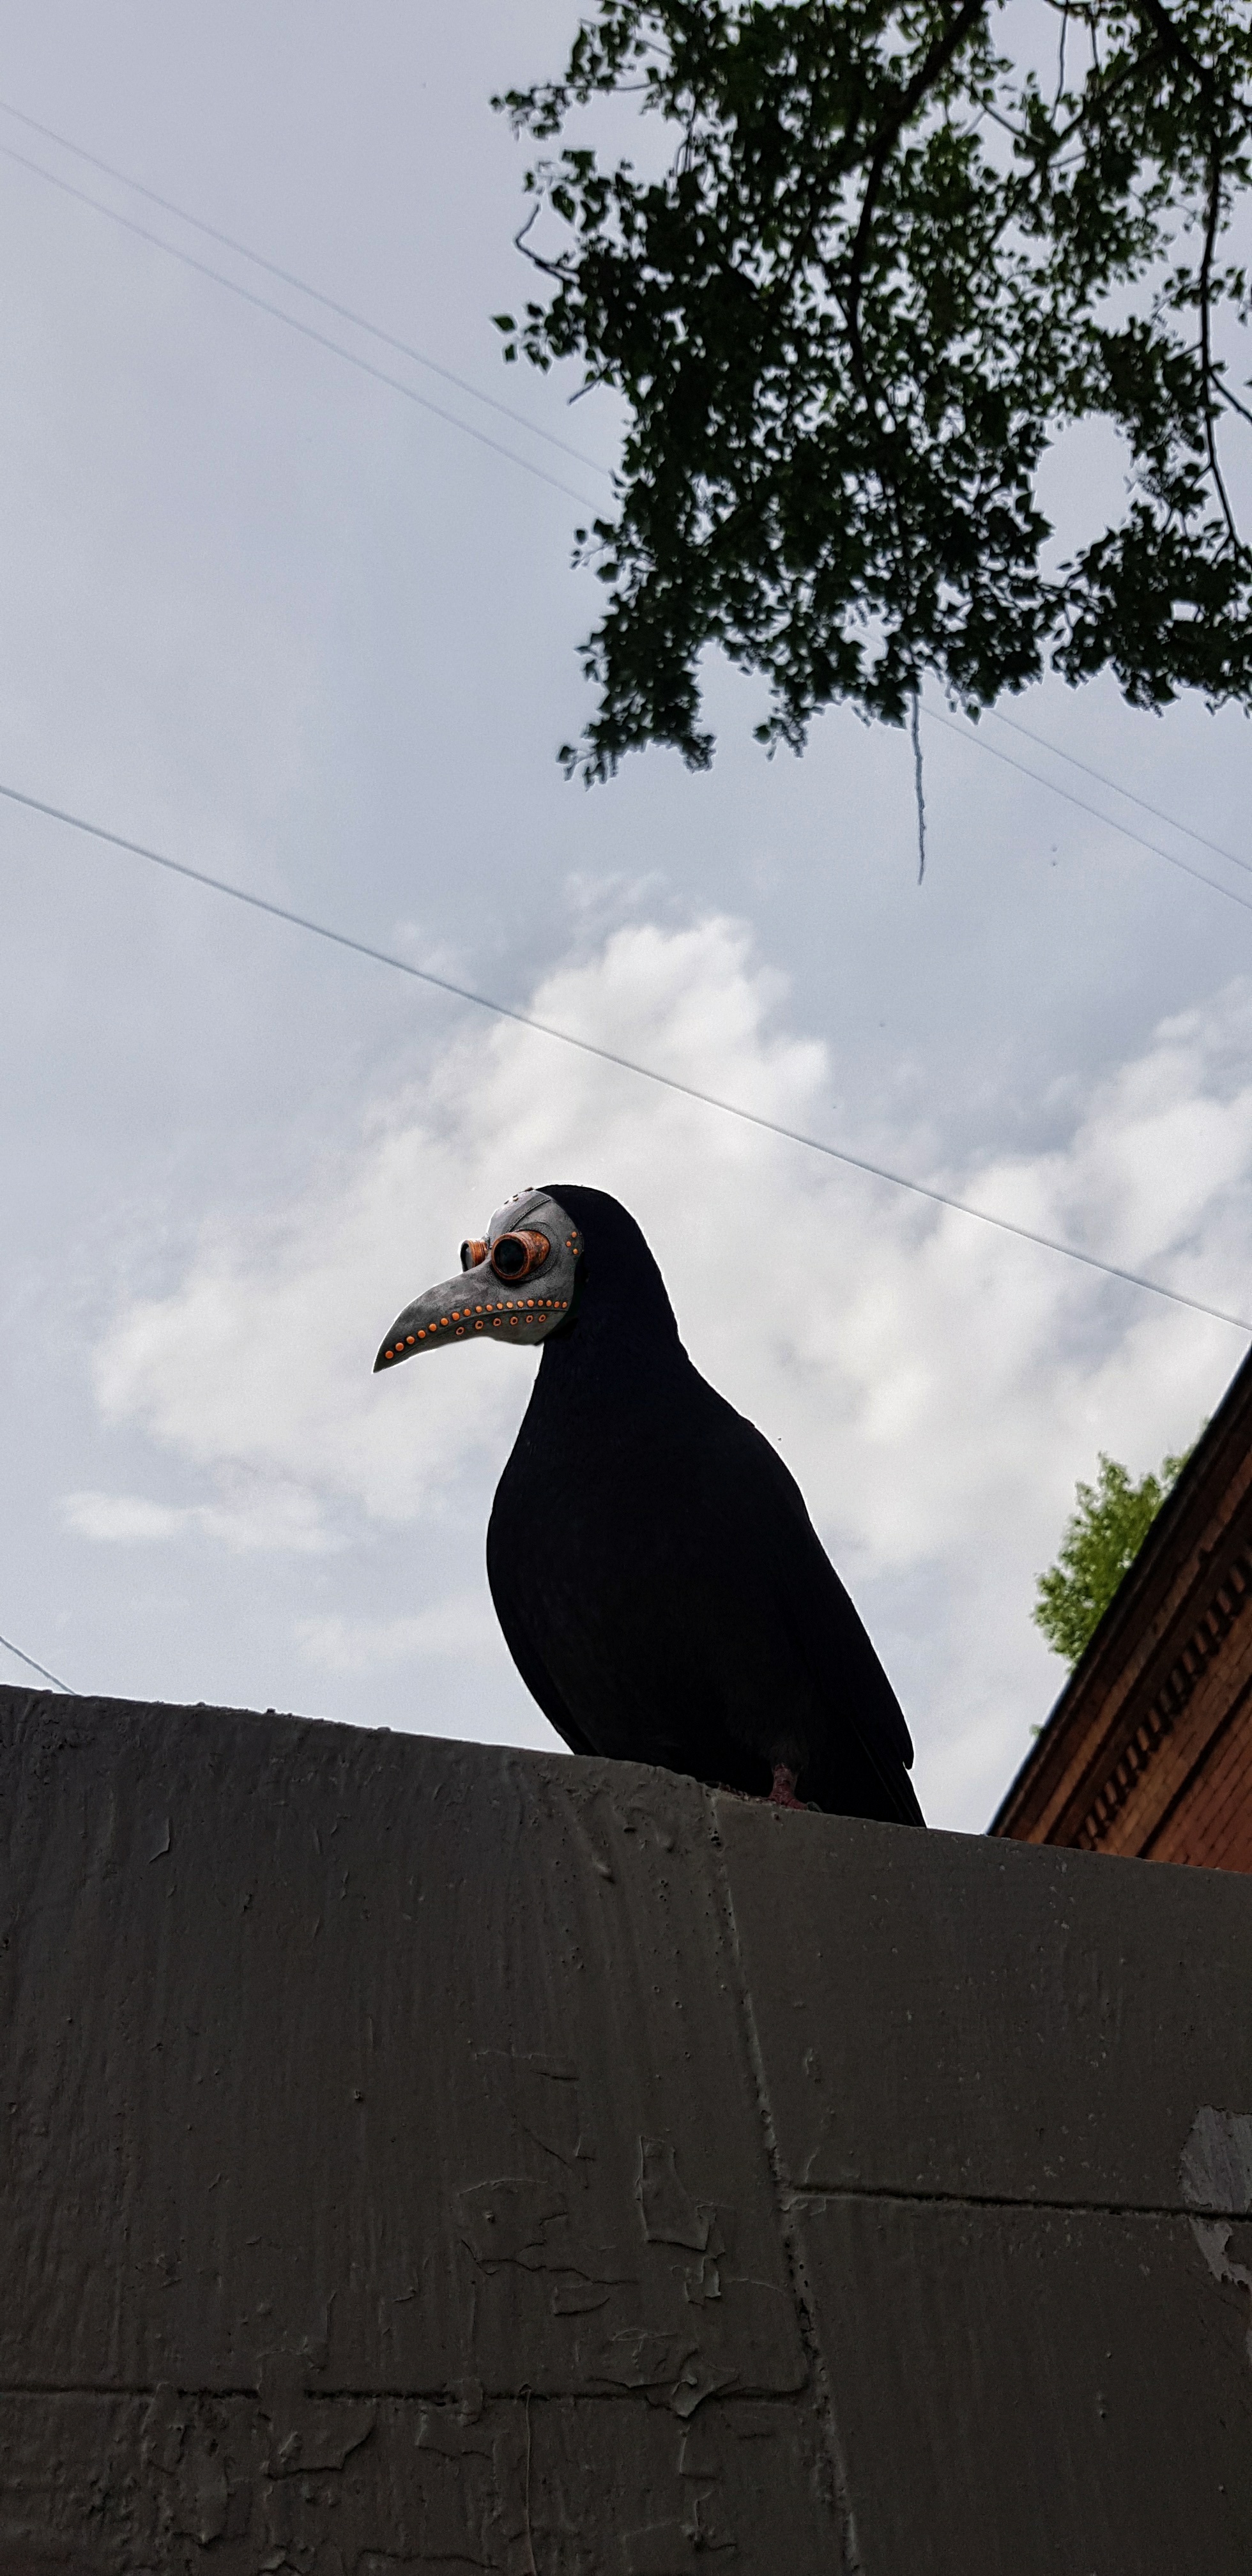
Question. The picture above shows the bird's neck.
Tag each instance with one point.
(609, 1361)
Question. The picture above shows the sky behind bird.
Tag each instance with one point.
(270, 617)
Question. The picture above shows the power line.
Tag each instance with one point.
(609, 1055)
(345, 312)
(966, 733)
(482, 1001)
(1219, 852)
(307, 330)
(42, 1669)
(405, 348)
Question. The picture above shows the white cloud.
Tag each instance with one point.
(263, 1517)
(336, 1644)
(124, 1520)
(935, 1385)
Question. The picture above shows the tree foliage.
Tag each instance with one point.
(881, 263)
(1102, 1538)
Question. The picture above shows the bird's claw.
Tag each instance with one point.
(783, 1793)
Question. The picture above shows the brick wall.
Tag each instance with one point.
(1210, 1822)
(1148, 1752)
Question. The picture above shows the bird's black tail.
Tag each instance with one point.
(852, 1781)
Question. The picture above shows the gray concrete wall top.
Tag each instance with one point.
(423, 2156)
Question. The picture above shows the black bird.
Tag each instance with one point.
(660, 1585)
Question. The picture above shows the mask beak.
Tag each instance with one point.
(480, 1305)
(443, 1314)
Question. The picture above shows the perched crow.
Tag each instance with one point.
(660, 1585)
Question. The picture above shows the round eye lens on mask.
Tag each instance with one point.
(516, 1256)
(473, 1250)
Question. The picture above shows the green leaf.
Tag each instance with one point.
(1102, 1538)
(870, 267)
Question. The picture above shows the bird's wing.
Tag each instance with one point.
(754, 1502)
(529, 1663)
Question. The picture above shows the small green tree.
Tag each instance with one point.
(1102, 1538)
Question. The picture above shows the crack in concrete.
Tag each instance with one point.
(785, 2202)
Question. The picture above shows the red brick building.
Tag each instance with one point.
(1148, 1751)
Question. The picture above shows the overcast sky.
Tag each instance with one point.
(272, 617)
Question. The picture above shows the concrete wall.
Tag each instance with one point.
(424, 2157)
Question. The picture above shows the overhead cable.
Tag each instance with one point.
(966, 733)
(287, 276)
(610, 1055)
(406, 348)
(1042, 743)
(41, 1669)
(307, 330)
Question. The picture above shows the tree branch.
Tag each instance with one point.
(1223, 394)
(1206, 344)
(550, 267)
(1060, 57)
(1165, 28)
(928, 72)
